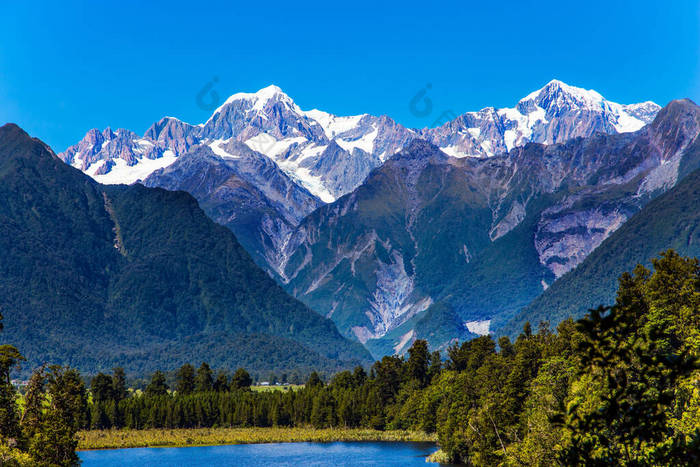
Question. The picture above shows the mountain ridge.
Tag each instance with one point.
(96, 276)
(320, 153)
(288, 133)
(483, 236)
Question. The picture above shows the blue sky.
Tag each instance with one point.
(71, 66)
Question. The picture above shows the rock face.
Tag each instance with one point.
(370, 227)
(242, 190)
(321, 154)
(672, 220)
(480, 236)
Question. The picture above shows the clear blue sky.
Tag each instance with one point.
(69, 66)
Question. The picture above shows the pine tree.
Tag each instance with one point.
(119, 390)
(157, 386)
(55, 442)
(241, 379)
(101, 388)
(10, 431)
(221, 383)
(185, 379)
(417, 364)
(204, 381)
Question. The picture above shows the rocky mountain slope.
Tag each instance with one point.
(95, 276)
(317, 156)
(670, 221)
(244, 191)
(481, 237)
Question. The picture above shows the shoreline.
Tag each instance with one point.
(199, 437)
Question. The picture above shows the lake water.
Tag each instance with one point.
(276, 454)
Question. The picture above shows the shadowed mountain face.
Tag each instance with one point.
(244, 191)
(95, 276)
(481, 237)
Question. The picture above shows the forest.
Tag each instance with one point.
(619, 387)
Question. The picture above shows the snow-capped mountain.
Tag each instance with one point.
(119, 156)
(265, 168)
(432, 246)
(331, 155)
(553, 114)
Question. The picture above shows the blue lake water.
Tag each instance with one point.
(276, 454)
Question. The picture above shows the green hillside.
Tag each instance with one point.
(96, 276)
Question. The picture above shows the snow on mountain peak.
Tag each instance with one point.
(558, 93)
(333, 125)
(330, 155)
(554, 113)
(259, 99)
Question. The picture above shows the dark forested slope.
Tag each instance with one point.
(96, 276)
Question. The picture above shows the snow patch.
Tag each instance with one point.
(478, 327)
(333, 125)
(219, 151)
(366, 142)
(122, 173)
(267, 144)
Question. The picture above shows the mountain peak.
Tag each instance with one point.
(259, 99)
(12, 129)
(15, 142)
(421, 150)
(674, 112)
(557, 93)
(262, 95)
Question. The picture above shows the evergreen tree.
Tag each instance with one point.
(634, 356)
(185, 379)
(204, 382)
(119, 390)
(359, 375)
(34, 403)
(10, 431)
(221, 383)
(55, 442)
(241, 379)
(418, 361)
(157, 386)
(435, 365)
(314, 380)
(101, 388)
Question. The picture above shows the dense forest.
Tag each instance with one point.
(80, 259)
(620, 387)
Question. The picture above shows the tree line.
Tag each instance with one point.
(620, 387)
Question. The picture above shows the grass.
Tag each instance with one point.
(284, 387)
(114, 439)
(439, 457)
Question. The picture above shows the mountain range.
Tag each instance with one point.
(397, 234)
(323, 156)
(480, 237)
(95, 276)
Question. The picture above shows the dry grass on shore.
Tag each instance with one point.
(113, 439)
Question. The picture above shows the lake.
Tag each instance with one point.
(278, 454)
